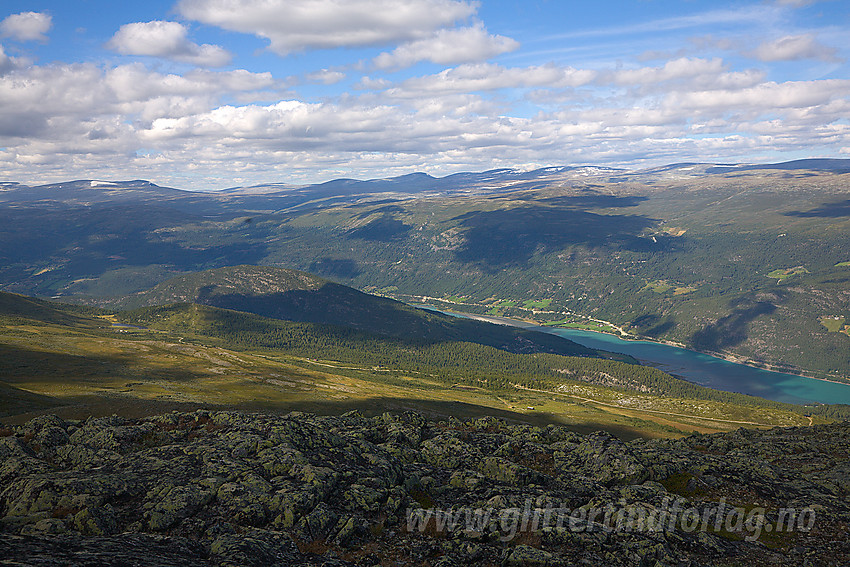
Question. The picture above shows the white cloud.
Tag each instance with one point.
(795, 47)
(487, 76)
(193, 129)
(6, 63)
(681, 68)
(448, 47)
(764, 98)
(682, 74)
(296, 25)
(372, 83)
(77, 106)
(732, 80)
(26, 26)
(166, 39)
(326, 76)
(295, 126)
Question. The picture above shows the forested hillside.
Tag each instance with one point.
(747, 261)
(448, 361)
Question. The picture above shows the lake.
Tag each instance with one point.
(707, 370)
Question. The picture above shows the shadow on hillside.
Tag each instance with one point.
(512, 237)
(346, 308)
(386, 209)
(383, 229)
(826, 210)
(18, 363)
(435, 410)
(24, 307)
(732, 329)
(653, 325)
(96, 240)
(14, 401)
(595, 201)
(371, 204)
(335, 267)
(332, 303)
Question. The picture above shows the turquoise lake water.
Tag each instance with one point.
(710, 371)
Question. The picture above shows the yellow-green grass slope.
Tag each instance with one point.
(75, 362)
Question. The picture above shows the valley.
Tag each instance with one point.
(158, 333)
(76, 361)
(742, 262)
(424, 283)
(745, 263)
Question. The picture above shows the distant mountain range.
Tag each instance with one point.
(176, 300)
(747, 260)
(278, 196)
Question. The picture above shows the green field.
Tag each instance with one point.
(582, 324)
(833, 324)
(658, 286)
(783, 274)
(683, 290)
(498, 309)
(533, 304)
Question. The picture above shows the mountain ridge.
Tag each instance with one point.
(719, 262)
(422, 181)
(292, 295)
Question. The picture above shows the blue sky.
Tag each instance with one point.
(206, 94)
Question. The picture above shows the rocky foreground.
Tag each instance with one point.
(221, 488)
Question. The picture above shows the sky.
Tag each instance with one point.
(208, 94)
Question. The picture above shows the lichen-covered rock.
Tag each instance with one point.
(173, 503)
(317, 524)
(447, 451)
(96, 521)
(120, 550)
(247, 500)
(257, 548)
(606, 459)
(367, 497)
(47, 432)
(526, 556)
(228, 488)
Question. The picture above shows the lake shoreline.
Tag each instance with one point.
(728, 357)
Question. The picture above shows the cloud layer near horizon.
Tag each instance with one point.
(430, 97)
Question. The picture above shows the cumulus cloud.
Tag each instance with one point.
(487, 77)
(296, 25)
(168, 40)
(682, 74)
(681, 68)
(326, 76)
(764, 98)
(448, 47)
(292, 126)
(89, 120)
(83, 104)
(6, 62)
(795, 47)
(27, 26)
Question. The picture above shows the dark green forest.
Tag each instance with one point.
(447, 361)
